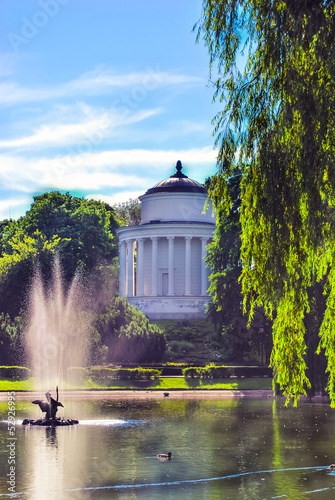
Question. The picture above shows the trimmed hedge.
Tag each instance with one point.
(212, 371)
(193, 372)
(14, 372)
(104, 374)
(167, 369)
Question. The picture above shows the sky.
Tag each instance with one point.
(101, 98)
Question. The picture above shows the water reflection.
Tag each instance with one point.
(220, 448)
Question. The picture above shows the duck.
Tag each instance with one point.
(164, 456)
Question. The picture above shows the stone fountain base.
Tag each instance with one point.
(49, 422)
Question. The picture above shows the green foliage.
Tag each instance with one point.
(104, 375)
(212, 371)
(14, 372)
(240, 338)
(203, 344)
(11, 340)
(126, 331)
(225, 262)
(208, 371)
(181, 347)
(192, 372)
(277, 128)
(17, 265)
(128, 213)
(80, 231)
(86, 227)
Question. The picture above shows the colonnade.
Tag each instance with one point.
(128, 287)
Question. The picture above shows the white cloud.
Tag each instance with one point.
(94, 170)
(94, 129)
(102, 80)
(97, 82)
(13, 208)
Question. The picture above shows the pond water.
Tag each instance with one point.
(229, 448)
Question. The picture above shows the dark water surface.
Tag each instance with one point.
(231, 449)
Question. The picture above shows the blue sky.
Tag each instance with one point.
(100, 98)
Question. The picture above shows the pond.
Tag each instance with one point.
(226, 448)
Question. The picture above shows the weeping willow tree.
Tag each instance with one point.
(278, 121)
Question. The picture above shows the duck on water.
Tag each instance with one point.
(164, 456)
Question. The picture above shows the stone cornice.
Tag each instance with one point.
(166, 230)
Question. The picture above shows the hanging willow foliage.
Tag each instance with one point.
(278, 121)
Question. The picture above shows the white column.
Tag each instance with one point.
(204, 274)
(154, 266)
(171, 265)
(130, 267)
(188, 265)
(140, 270)
(122, 270)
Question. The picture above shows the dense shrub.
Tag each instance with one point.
(129, 337)
(11, 349)
(103, 375)
(181, 346)
(212, 371)
(192, 372)
(14, 372)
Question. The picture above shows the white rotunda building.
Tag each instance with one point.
(162, 261)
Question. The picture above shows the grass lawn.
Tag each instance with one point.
(164, 384)
(17, 385)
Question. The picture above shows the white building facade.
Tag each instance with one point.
(162, 261)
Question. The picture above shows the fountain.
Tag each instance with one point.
(50, 408)
(56, 337)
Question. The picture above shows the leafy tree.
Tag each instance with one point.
(11, 340)
(226, 309)
(278, 123)
(7, 230)
(125, 330)
(88, 225)
(17, 267)
(82, 232)
(128, 212)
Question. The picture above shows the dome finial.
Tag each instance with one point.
(179, 174)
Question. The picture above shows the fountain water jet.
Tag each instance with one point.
(57, 336)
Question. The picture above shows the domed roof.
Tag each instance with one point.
(178, 183)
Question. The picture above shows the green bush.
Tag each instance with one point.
(14, 372)
(213, 371)
(103, 375)
(192, 372)
(181, 346)
(129, 337)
